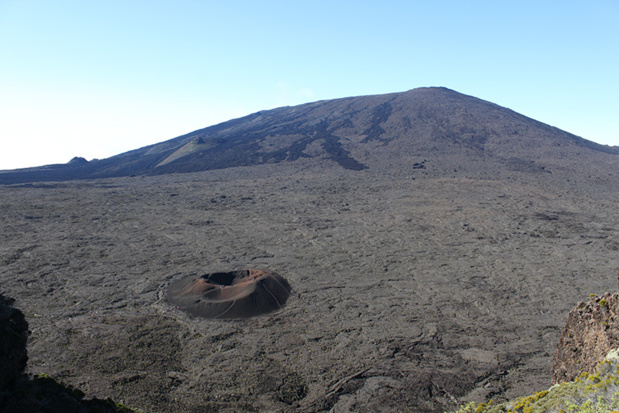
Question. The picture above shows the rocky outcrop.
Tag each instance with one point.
(13, 338)
(590, 333)
(78, 160)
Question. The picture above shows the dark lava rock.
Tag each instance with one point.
(13, 338)
(236, 294)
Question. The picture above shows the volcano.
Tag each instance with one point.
(435, 129)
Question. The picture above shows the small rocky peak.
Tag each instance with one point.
(78, 160)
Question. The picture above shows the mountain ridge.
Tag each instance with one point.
(357, 133)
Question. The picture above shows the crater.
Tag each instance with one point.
(224, 295)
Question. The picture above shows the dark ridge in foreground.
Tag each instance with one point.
(22, 393)
(354, 133)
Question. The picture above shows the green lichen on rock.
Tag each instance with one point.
(596, 392)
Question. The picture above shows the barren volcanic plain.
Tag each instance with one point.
(434, 243)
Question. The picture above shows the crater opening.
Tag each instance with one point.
(221, 278)
(235, 294)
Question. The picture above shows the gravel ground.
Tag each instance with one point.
(408, 294)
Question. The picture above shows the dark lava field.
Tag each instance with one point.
(418, 282)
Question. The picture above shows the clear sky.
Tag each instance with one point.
(95, 78)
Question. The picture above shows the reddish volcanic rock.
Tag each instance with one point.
(591, 331)
(237, 294)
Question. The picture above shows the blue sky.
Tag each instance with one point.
(95, 78)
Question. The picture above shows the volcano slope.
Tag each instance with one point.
(436, 265)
